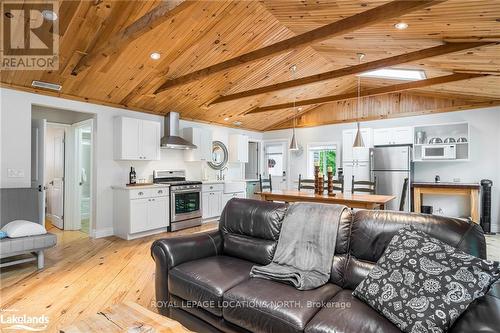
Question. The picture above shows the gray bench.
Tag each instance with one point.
(17, 204)
(10, 247)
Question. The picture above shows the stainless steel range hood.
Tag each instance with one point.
(171, 139)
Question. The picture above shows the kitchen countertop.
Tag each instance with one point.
(446, 185)
(138, 187)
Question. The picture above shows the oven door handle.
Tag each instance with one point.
(187, 191)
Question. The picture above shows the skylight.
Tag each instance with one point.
(396, 74)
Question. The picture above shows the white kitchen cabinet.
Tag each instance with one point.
(211, 200)
(359, 169)
(349, 153)
(238, 148)
(228, 196)
(202, 139)
(140, 212)
(393, 136)
(136, 139)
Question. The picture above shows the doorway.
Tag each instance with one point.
(252, 167)
(68, 169)
(84, 167)
(276, 163)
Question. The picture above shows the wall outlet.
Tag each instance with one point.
(15, 173)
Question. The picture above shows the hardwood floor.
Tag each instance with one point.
(83, 276)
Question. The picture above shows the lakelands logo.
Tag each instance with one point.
(30, 35)
(10, 320)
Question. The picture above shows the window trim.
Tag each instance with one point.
(312, 145)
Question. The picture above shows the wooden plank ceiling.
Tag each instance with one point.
(194, 35)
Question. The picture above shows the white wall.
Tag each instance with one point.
(16, 108)
(484, 160)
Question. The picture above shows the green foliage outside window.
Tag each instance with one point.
(326, 158)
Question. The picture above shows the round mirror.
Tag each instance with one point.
(219, 156)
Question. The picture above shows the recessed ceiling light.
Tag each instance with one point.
(226, 119)
(49, 15)
(155, 55)
(396, 74)
(237, 123)
(401, 25)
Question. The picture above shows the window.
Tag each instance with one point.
(325, 154)
(396, 74)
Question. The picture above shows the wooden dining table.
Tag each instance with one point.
(364, 201)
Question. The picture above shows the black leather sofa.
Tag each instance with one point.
(202, 280)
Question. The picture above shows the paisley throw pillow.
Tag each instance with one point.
(422, 284)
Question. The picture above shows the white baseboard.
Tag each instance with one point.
(106, 232)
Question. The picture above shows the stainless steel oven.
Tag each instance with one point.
(185, 198)
(185, 206)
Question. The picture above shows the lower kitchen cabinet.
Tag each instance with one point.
(211, 204)
(228, 196)
(140, 212)
(213, 199)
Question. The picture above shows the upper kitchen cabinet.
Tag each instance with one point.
(349, 153)
(202, 139)
(136, 139)
(393, 136)
(238, 148)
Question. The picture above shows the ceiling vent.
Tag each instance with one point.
(46, 85)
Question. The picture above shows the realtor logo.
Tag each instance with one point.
(30, 35)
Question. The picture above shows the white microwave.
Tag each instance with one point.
(439, 152)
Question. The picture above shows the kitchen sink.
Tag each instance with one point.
(234, 186)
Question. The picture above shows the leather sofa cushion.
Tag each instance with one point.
(251, 229)
(482, 315)
(372, 230)
(204, 281)
(260, 305)
(345, 313)
(255, 218)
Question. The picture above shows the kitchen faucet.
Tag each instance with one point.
(221, 175)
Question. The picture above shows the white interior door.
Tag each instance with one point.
(276, 160)
(55, 186)
(38, 129)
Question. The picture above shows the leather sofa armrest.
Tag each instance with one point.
(170, 252)
(483, 315)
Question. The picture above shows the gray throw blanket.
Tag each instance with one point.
(306, 246)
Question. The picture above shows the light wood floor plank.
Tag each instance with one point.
(83, 276)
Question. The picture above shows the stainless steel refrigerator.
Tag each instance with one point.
(392, 165)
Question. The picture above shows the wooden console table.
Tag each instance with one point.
(470, 190)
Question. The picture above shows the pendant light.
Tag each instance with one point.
(294, 146)
(358, 140)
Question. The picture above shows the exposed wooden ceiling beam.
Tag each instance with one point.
(370, 92)
(356, 69)
(381, 13)
(158, 15)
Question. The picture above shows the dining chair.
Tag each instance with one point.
(338, 184)
(265, 183)
(364, 185)
(306, 184)
(403, 195)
